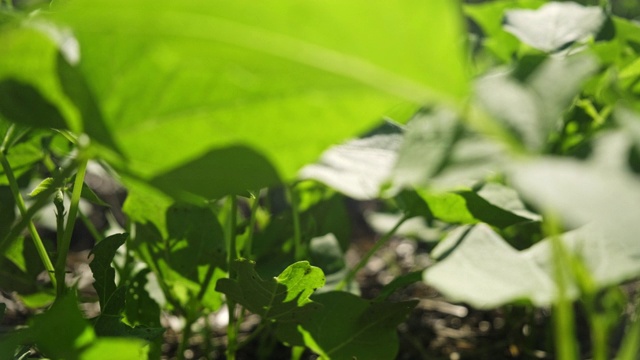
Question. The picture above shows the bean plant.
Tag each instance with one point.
(508, 130)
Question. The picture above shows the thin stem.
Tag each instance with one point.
(248, 245)
(365, 259)
(92, 229)
(63, 245)
(232, 327)
(35, 237)
(184, 342)
(40, 202)
(563, 315)
(232, 202)
(299, 250)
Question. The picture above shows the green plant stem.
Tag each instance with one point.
(365, 259)
(248, 245)
(599, 338)
(37, 241)
(92, 229)
(63, 245)
(184, 342)
(42, 201)
(298, 248)
(232, 327)
(631, 342)
(563, 315)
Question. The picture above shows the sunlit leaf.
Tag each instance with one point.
(554, 25)
(285, 79)
(283, 298)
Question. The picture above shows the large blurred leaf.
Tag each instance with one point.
(282, 298)
(554, 25)
(425, 148)
(485, 272)
(32, 94)
(607, 199)
(177, 80)
(62, 333)
(530, 104)
(359, 168)
(489, 16)
(349, 327)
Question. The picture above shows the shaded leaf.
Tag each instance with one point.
(28, 81)
(140, 307)
(283, 298)
(554, 25)
(208, 176)
(189, 255)
(77, 90)
(349, 327)
(23, 104)
(7, 210)
(89, 195)
(104, 274)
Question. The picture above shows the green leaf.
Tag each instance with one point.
(325, 252)
(531, 110)
(104, 274)
(140, 307)
(72, 332)
(358, 168)
(31, 91)
(42, 186)
(125, 348)
(399, 283)
(7, 210)
(88, 194)
(485, 272)
(596, 194)
(426, 148)
(349, 327)
(78, 91)
(22, 156)
(489, 16)
(207, 176)
(492, 203)
(3, 309)
(188, 254)
(62, 333)
(240, 68)
(555, 25)
(20, 267)
(283, 298)
(23, 104)
(113, 298)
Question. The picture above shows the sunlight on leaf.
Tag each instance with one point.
(555, 24)
(283, 298)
